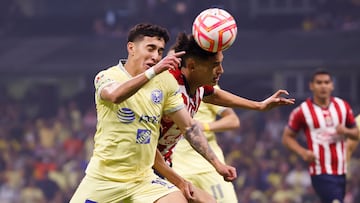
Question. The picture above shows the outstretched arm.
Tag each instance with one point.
(198, 141)
(225, 98)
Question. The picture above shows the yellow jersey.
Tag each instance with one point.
(127, 133)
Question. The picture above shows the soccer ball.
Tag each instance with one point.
(214, 29)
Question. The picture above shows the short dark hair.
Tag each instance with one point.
(188, 44)
(141, 30)
(320, 71)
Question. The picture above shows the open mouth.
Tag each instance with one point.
(149, 65)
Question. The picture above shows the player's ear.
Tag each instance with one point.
(130, 48)
(190, 63)
(311, 86)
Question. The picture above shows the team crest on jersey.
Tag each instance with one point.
(156, 96)
(143, 136)
(126, 115)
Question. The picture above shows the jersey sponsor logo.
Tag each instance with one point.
(126, 115)
(156, 96)
(328, 135)
(149, 119)
(89, 201)
(143, 136)
(162, 182)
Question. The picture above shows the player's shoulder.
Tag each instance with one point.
(340, 100)
(107, 71)
(166, 76)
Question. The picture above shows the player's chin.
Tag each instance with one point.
(215, 81)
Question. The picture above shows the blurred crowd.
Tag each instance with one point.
(113, 18)
(43, 155)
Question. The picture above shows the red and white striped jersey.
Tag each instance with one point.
(319, 125)
(170, 133)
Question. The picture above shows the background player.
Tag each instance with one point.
(327, 122)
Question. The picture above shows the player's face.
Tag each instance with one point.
(322, 86)
(209, 71)
(147, 52)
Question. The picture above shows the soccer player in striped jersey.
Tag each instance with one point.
(199, 72)
(327, 122)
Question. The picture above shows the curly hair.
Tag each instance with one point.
(188, 44)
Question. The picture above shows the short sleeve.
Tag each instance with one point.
(296, 120)
(350, 118)
(101, 80)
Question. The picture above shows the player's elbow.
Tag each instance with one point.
(285, 138)
(236, 122)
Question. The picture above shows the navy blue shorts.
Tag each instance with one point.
(329, 187)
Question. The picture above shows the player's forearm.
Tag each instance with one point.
(200, 144)
(227, 99)
(229, 122)
(119, 92)
(161, 167)
(291, 143)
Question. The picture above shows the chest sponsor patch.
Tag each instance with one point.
(143, 136)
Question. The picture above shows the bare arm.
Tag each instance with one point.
(161, 167)
(225, 98)
(118, 92)
(198, 141)
(190, 192)
(289, 140)
(228, 121)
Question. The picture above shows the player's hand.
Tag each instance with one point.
(308, 156)
(228, 172)
(276, 100)
(171, 61)
(341, 130)
(187, 189)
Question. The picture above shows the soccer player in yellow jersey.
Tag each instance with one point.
(352, 144)
(193, 167)
(131, 98)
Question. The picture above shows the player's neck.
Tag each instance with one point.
(322, 102)
(132, 69)
(190, 85)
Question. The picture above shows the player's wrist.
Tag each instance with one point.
(206, 127)
(150, 73)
